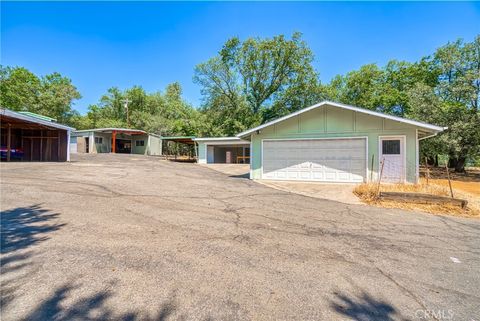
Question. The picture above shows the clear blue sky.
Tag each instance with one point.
(103, 44)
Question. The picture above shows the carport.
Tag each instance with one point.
(223, 150)
(179, 148)
(32, 137)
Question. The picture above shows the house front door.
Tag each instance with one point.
(392, 152)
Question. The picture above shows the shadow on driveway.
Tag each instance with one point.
(23, 227)
(92, 308)
(364, 308)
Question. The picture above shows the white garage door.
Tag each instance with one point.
(325, 160)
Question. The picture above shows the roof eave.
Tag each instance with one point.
(13, 114)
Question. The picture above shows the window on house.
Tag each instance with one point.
(139, 143)
(98, 140)
(391, 147)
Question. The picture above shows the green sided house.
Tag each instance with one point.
(332, 142)
(115, 140)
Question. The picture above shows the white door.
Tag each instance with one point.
(392, 152)
(323, 160)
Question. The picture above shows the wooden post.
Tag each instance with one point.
(380, 177)
(371, 170)
(58, 145)
(114, 139)
(31, 148)
(9, 142)
(428, 171)
(41, 145)
(449, 182)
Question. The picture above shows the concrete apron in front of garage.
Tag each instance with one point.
(330, 191)
(334, 191)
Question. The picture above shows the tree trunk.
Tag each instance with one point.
(436, 160)
(452, 162)
(460, 165)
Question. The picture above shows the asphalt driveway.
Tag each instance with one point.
(123, 237)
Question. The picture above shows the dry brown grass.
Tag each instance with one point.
(368, 194)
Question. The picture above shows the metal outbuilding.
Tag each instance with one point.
(115, 140)
(27, 136)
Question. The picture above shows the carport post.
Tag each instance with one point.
(114, 138)
(195, 150)
(9, 141)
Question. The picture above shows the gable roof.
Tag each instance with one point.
(432, 128)
(33, 119)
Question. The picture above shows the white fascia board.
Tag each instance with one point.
(226, 143)
(221, 141)
(433, 128)
(13, 114)
(154, 135)
(215, 138)
(110, 129)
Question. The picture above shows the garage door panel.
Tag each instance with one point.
(318, 175)
(330, 160)
(330, 176)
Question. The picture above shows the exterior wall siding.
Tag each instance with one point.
(202, 156)
(333, 122)
(105, 146)
(154, 147)
(139, 149)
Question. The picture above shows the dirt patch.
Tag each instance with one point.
(368, 194)
(462, 186)
(472, 174)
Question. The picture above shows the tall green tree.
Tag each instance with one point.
(453, 101)
(164, 113)
(51, 95)
(442, 89)
(256, 76)
(19, 89)
(56, 97)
